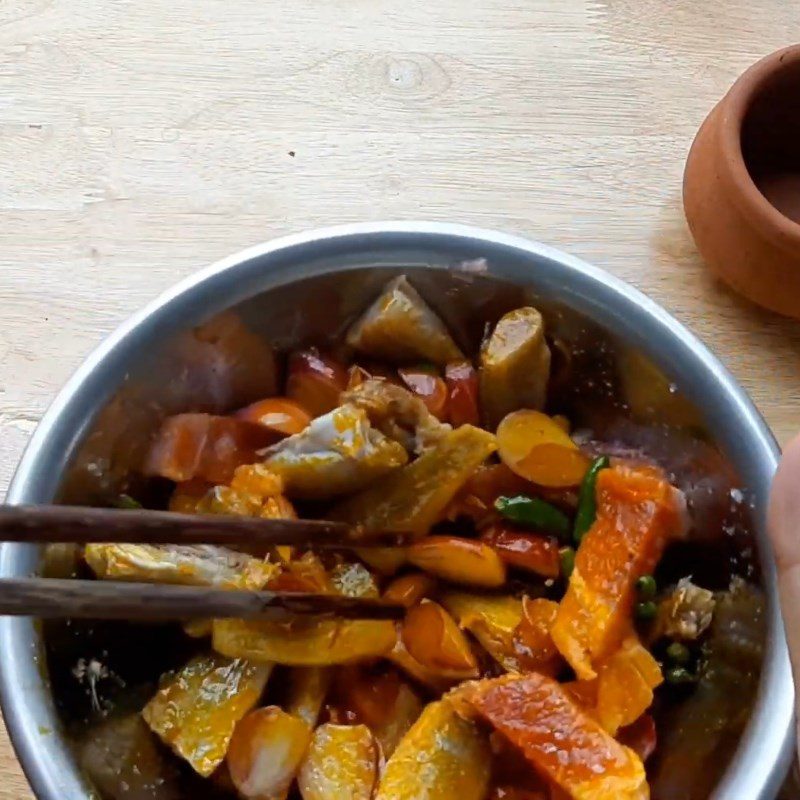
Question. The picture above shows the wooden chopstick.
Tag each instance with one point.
(65, 524)
(75, 599)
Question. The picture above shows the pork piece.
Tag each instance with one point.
(686, 612)
(397, 413)
(337, 454)
(190, 565)
(514, 366)
(400, 327)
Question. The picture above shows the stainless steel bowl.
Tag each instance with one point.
(306, 286)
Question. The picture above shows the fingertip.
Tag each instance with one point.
(783, 521)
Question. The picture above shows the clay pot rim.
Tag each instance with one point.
(749, 197)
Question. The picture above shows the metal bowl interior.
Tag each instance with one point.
(306, 287)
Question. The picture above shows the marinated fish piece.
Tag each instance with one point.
(196, 709)
(254, 491)
(638, 512)
(492, 620)
(337, 454)
(533, 638)
(227, 500)
(442, 757)
(434, 680)
(400, 327)
(397, 413)
(190, 565)
(384, 560)
(411, 499)
(122, 760)
(404, 712)
(685, 613)
(265, 752)
(625, 685)
(409, 589)
(515, 632)
(187, 495)
(382, 701)
(563, 742)
(341, 764)
(308, 687)
(514, 366)
(433, 638)
(353, 580)
(466, 561)
(304, 642)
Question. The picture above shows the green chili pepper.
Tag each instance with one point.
(646, 587)
(646, 611)
(678, 653)
(679, 675)
(587, 500)
(126, 501)
(567, 558)
(534, 513)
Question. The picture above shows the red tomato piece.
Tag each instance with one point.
(640, 736)
(462, 386)
(429, 387)
(205, 446)
(315, 381)
(529, 551)
(368, 697)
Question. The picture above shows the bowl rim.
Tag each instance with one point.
(769, 737)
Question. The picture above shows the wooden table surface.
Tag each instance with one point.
(142, 140)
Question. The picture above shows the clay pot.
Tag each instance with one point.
(741, 187)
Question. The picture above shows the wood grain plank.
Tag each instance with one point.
(143, 140)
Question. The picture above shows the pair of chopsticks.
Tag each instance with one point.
(89, 599)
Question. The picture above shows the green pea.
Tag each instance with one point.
(567, 559)
(678, 653)
(587, 499)
(534, 513)
(646, 611)
(678, 676)
(646, 587)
